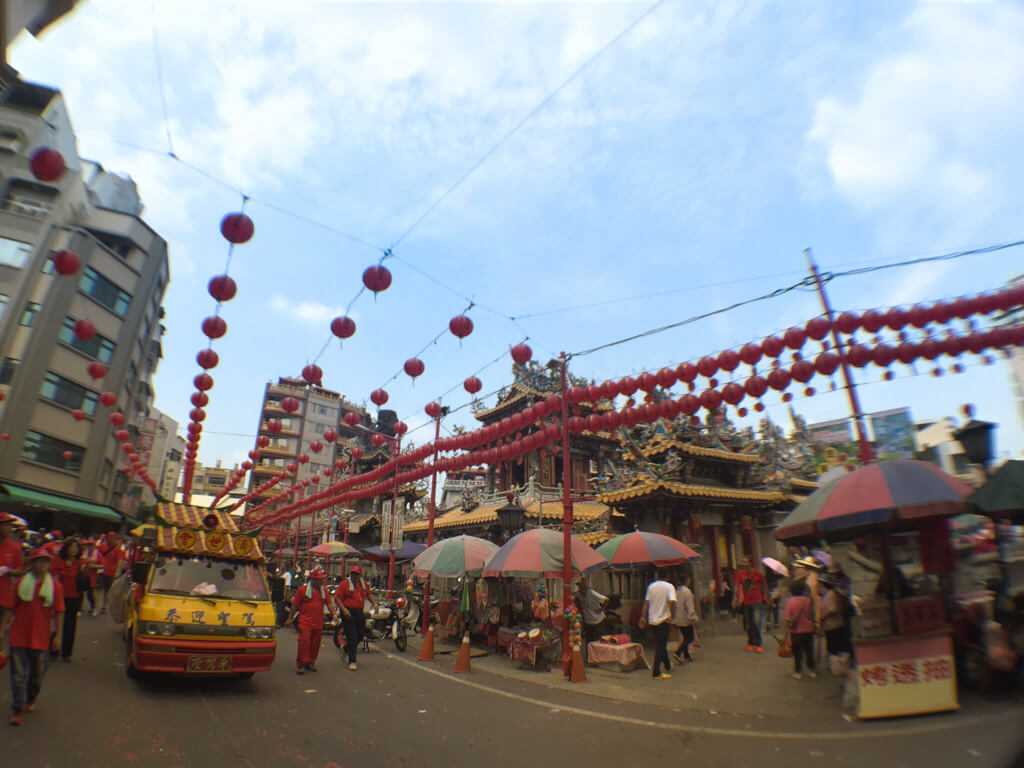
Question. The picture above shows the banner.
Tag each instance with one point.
(894, 434)
(833, 443)
(389, 521)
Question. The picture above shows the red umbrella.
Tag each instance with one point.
(538, 552)
(642, 548)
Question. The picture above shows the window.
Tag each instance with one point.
(50, 451)
(64, 392)
(215, 480)
(27, 199)
(105, 292)
(14, 253)
(98, 347)
(8, 369)
(29, 313)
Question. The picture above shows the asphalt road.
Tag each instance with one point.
(395, 712)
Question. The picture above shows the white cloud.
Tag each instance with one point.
(306, 312)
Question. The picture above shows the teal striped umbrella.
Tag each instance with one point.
(454, 557)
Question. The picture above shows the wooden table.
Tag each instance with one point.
(627, 656)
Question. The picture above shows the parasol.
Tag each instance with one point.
(407, 551)
(901, 489)
(453, 557)
(286, 552)
(335, 549)
(775, 565)
(538, 552)
(1004, 491)
(631, 550)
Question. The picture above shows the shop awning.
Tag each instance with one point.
(32, 498)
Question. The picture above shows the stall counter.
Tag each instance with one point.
(906, 675)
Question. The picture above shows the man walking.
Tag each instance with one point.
(351, 595)
(685, 617)
(592, 605)
(277, 596)
(659, 604)
(751, 592)
(309, 602)
(38, 613)
(112, 558)
(11, 569)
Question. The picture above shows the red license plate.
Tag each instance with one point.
(209, 664)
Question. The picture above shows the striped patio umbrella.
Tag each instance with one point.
(632, 550)
(538, 552)
(407, 551)
(888, 491)
(335, 549)
(454, 557)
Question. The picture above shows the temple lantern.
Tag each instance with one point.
(593, 394)
(377, 278)
(883, 355)
(521, 354)
(214, 327)
(627, 386)
(460, 326)
(576, 394)
(46, 164)
(772, 346)
(379, 397)
(666, 377)
(689, 404)
(733, 393)
(848, 322)
(222, 288)
(203, 382)
(352, 419)
(274, 426)
(343, 327)
(826, 363)
(107, 399)
(778, 379)
(818, 327)
(207, 359)
(472, 385)
(78, 414)
(794, 338)
(96, 370)
(646, 382)
(728, 360)
(330, 435)
(200, 399)
(918, 316)
(896, 319)
(906, 352)
(750, 353)
(84, 329)
(289, 405)
(872, 321)
(117, 418)
(859, 355)
(755, 386)
(930, 349)
(414, 367)
(802, 371)
(316, 446)
(707, 367)
(400, 428)
(237, 228)
(312, 374)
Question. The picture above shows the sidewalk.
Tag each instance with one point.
(723, 679)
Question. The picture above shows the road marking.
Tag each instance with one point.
(867, 733)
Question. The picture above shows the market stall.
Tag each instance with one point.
(895, 514)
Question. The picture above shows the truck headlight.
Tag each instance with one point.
(160, 628)
(259, 633)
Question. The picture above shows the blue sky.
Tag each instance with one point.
(700, 154)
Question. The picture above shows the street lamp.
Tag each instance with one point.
(512, 518)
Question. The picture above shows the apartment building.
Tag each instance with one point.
(119, 288)
(1016, 354)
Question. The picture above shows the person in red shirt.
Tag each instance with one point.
(309, 602)
(11, 568)
(351, 595)
(39, 606)
(112, 557)
(91, 564)
(751, 593)
(67, 568)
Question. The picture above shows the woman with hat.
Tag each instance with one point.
(351, 595)
(35, 632)
(309, 602)
(11, 565)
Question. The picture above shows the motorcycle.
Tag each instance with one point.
(389, 620)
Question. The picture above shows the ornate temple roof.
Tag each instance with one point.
(649, 486)
(662, 443)
(487, 514)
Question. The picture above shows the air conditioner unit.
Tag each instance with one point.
(10, 142)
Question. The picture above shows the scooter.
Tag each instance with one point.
(389, 620)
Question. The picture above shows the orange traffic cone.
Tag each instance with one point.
(462, 660)
(578, 673)
(427, 651)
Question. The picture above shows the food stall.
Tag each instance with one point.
(896, 515)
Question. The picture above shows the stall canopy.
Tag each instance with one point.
(407, 551)
(881, 493)
(631, 550)
(538, 552)
(454, 557)
(30, 498)
(1003, 492)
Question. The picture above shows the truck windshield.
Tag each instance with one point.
(208, 577)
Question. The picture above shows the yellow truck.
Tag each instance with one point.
(197, 602)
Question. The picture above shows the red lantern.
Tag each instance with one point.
(262, 441)
(627, 386)
(802, 371)
(302, 458)
(577, 394)
(472, 385)
(433, 409)
(203, 382)
(906, 353)
(127, 448)
(107, 399)
(930, 349)
(214, 327)
(460, 326)
(686, 372)
(668, 408)
(343, 327)
(46, 164)
(848, 322)
(826, 363)
(379, 397)
(330, 435)
(896, 319)
(707, 366)
(84, 329)
(292, 468)
(941, 312)
(200, 399)
(733, 393)
(207, 359)
(859, 355)
(77, 414)
(772, 346)
(352, 419)
(67, 455)
(647, 382)
(197, 414)
(289, 405)
(414, 367)
(377, 278)
(594, 392)
(794, 338)
(818, 328)
(918, 316)
(872, 321)
(194, 428)
(755, 386)
(400, 428)
(117, 418)
(340, 463)
(778, 379)
(750, 353)
(222, 288)
(122, 435)
(728, 360)
(237, 228)
(521, 354)
(316, 446)
(689, 404)
(666, 378)
(312, 373)
(377, 440)
(96, 370)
